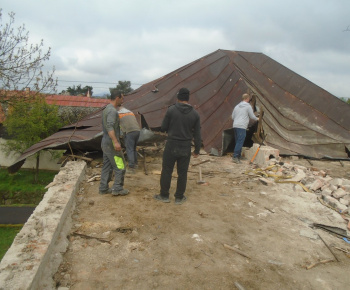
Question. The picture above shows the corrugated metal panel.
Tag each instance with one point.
(300, 117)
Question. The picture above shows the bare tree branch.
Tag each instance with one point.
(21, 63)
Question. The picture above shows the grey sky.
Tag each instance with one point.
(141, 40)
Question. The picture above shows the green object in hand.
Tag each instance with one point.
(119, 161)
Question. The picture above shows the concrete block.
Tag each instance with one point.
(341, 208)
(264, 155)
(326, 191)
(339, 193)
(329, 200)
(344, 201)
(336, 182)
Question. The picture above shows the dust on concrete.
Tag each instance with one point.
(136, 242)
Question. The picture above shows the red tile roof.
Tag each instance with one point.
(64, 101)
(76, 101)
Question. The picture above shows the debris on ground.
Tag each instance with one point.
(234, 233)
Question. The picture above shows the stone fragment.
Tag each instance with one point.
(346, 197)
(308, 233)
(336, 182)
(346, 181)
(331, 201)
(106, 235)
(326, 191)
(317, 184)
(346, 187)
(323, 173)
(344, 201)
(300, 167)
(278, 173)
(339, 193)
(265, 181)
(288, 165)
(299, 176)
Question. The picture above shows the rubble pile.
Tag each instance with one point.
(332, 192)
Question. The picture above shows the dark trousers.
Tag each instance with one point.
(178, 152)
(130, 144)
(239, 140)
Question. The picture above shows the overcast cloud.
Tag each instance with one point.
(105, 41)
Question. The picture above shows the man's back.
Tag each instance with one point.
(241, 115)
(128, 122)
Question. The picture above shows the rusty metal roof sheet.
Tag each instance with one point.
(300, 117)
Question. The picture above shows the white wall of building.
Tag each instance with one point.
(46, 160)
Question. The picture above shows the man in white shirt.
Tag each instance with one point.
(241, 115)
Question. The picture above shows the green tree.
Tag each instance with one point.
(123, 86)
(346, 100)
(28, 123)
(21, 63)
(78, 90)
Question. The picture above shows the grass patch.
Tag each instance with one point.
(7, 235)
(20, 188)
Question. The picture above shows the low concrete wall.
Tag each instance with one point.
(36, 252)
(46, 161)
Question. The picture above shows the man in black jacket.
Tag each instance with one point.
(182, 123)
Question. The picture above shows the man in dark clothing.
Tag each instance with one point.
(182, 123)
(113, 158)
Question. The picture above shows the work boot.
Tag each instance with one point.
(161, 198)
(105, 191)
(180, 200)
(120, 192)
(236, 160)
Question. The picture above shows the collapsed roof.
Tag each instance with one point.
(300, 118)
